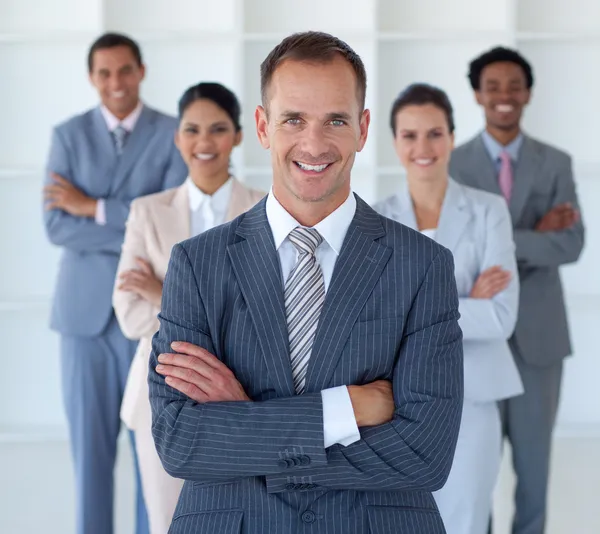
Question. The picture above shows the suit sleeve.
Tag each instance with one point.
(80, 234)
(494, 318)
(415, 450)
(221, 439)
(552, 249)
(137, 317)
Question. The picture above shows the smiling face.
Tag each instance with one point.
(423, 141)
(205, 138)
(117, 76)
(503, 94)
(314, 126)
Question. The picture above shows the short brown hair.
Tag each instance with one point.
(317, 47)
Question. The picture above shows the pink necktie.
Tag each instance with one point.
(505, 178)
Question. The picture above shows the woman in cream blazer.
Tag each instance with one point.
(209, 129)
(476, 227)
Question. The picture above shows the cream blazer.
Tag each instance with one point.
(156, 223)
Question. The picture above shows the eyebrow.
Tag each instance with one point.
(330, 116)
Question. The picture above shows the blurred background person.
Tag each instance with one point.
(99, 161)
(536, 181)
(475, 226)
(209, 130)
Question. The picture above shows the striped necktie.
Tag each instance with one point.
(120, 136)
(304, 296)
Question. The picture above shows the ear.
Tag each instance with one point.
(452, 138)
(142, 71)
(365, 120)
(239, 136)
(262, 126)
(176, 139)
(529, 91)
(478, 97)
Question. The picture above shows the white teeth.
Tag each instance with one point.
(423, 161)
(504, 108)
(205, 157)
(315, 168)
(118, 94)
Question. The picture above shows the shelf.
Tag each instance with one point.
(154, 15)
(409, 15)
(41, 304)
(558, 16)
(569, 37)
(39, 15)
(275, 16)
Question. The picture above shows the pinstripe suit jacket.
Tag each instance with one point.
(391, 312)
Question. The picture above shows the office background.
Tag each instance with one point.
(43, 48)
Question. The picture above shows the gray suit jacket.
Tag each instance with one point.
(82, 151)
(391, 312)
(543, 178)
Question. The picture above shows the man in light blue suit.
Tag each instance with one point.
(323, 386)
(99, 162)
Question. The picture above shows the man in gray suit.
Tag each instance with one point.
(319, 386)
(537, 182)
(99, 161)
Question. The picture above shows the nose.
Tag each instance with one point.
(422, 147)
(314, 141)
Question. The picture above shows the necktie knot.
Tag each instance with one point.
(504, 157)
(306, 240)
(120, 135)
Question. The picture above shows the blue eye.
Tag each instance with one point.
(338, 122)
(293, 122)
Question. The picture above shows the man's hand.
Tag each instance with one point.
(490, 282)
(559, 218)
(143, 282)
(198, 374)
(373, 403)
(63, 195)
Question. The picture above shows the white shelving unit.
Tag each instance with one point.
(43, 50)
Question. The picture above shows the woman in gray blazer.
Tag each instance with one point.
(475, 226)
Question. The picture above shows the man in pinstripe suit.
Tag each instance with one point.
(317, 383)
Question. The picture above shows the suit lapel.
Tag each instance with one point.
(134, 146)
(454, 217)
(173, 219)
(525, 173)
(482, 168)
(239, 201)
(357, 270)
(257, 269)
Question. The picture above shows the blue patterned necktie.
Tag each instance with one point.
(120, 136)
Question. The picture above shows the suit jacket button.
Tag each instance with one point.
(290, 486)
(308, 517)
(304, 460)
(283, 464)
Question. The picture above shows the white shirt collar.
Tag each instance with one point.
(128, 122)
(218, 200)
(332, 228)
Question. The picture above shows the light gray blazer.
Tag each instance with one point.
(83, 152)
(543, 178)
(476, 227)
(259, 467)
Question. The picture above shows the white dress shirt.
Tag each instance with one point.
(128, 123)
(339, 423)
(207, 211)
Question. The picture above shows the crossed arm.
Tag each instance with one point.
(224, 434)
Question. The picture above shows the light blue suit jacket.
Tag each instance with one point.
(476, 227)
(82, 151)
(391, 312)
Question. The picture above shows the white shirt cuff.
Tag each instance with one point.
(339, 423)
(100, 212)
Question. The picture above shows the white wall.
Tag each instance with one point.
(43, 47)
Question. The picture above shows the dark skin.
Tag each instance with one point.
(503, 94)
